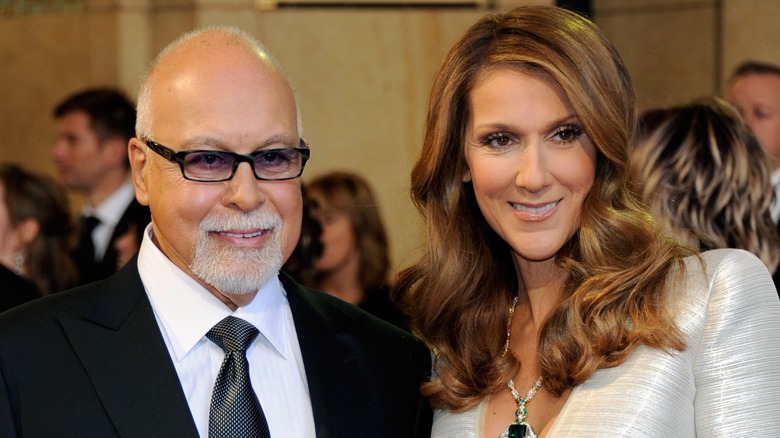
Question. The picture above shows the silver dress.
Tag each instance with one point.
(725, 384)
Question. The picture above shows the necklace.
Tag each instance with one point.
(509, 326)
(519, 428)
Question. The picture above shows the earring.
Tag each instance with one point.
(18, 263)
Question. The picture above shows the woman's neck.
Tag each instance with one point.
(343, 283)
(541, 289)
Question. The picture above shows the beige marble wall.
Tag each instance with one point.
(751, 30)
(670, 47)
(43, 59)
(678, 50)
(362, 76)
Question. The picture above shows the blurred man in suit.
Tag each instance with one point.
(754, 89)
(94, 127)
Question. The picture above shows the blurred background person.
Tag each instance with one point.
(301, 264)
(355, 261)
(90, 154)
(754, 90)
(703, 174)
(35, 228)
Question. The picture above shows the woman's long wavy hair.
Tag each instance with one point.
(704, 176)
(28, 195)
(458, 293)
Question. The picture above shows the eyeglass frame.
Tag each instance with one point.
(175, 156)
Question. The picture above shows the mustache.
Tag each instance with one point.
(255, 219)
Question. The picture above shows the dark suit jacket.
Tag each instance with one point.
(135, 215)
(15, 290)
(776, 274)
(91, 362)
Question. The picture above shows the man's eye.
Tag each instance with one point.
(207, 159)
(275, 157)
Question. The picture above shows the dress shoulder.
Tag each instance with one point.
(722, 276)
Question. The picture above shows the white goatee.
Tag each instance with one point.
(238, 270)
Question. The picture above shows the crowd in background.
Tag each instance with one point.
(712, 176)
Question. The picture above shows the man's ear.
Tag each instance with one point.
(137, 151)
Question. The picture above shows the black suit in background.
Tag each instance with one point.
(135, 215)
(91, 362)
(15, 289)
(776, 274)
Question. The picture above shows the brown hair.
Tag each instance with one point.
(751, 67)
(28, 195)
(111, 113)
(352, 194)
(458, 293)
(703, 174)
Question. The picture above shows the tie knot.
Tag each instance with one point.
(89, 223)
(232, 334)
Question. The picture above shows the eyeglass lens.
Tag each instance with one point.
(270, 164)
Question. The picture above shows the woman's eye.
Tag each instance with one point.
(568, 133)
(497, 140)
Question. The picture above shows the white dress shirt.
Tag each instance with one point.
(185, 311)
(725, 384)
(776, 201)
(109, 212)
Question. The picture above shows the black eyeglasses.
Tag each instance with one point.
(215, 166)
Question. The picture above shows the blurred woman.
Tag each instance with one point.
(355, 259)
(35, 228)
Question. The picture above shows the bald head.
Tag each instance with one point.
(199, 54)
(218, 90)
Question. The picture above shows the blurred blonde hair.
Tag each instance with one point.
(704, 176)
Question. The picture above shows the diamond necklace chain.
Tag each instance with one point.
(522, 412)
(509, 326)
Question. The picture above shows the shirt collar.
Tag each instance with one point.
(186, 310)
(111, 210)
(775, 178)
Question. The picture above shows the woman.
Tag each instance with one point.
(301, 263)
(355, 258)
(543, 274)
(34, 236)
(704, 176)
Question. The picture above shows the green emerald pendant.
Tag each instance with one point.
(517, 430)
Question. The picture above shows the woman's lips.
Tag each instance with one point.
(535, 212)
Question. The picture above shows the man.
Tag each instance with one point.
(754, 90)
(90, 154)
(136, 355)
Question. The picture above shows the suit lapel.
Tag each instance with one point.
(135, 215)
(334, 376)
(776, 274)
(121, 348)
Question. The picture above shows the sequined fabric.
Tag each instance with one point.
(726, 384)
